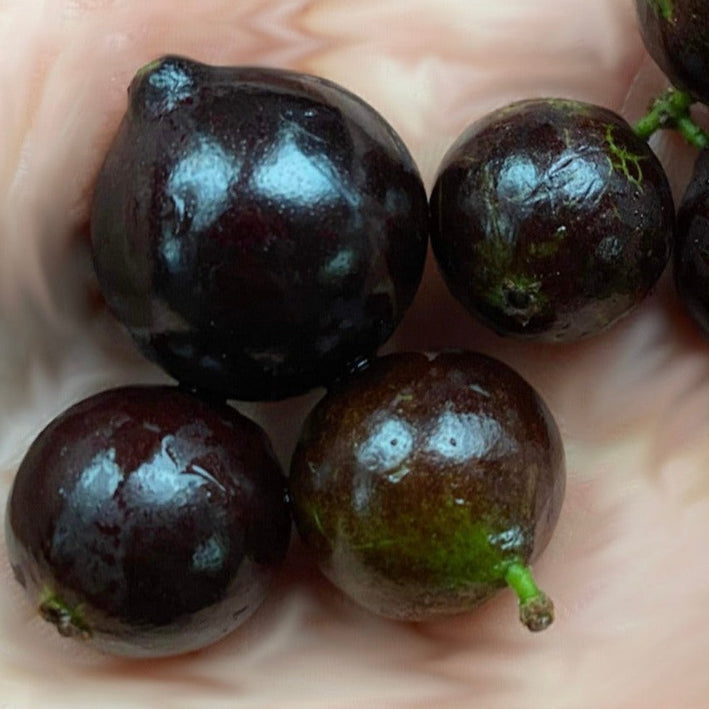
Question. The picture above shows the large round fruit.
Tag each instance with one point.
(424, 484)
(147, 522)
(258, 231)
(676, 35)
(551, 219)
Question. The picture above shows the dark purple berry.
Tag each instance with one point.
(258, 231)
(147, 522)
(676, 35)
(424, 484)
(551, 219)
(691, 266)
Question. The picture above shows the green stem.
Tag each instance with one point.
(692, 133)
(536, 609)
(672, 110)
(68, 621)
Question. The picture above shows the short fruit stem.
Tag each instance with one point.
(536, 609)
(672, 110)
(68, 621)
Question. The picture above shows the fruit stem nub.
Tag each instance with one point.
(536, 609)
(69, 622)
(672, 110)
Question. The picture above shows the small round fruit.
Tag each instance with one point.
(424, 484)
(147, 522)
(551, 219)
(258, 231)
(676, 37)
(691, 265)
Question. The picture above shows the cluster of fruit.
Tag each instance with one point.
(261, 233)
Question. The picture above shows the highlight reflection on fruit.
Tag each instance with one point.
(425, 484)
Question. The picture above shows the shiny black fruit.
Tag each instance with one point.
(424, 484)
(676, 35)
(691, 266)
(551, 219)
(147, 522)
(258, 231)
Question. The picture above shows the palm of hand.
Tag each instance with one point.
(625, 564)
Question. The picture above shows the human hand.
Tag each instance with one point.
(625, 565)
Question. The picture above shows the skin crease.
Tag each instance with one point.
(626, 566)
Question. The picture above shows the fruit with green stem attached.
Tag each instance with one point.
(424, 484)
(147, 522)
(551, 219)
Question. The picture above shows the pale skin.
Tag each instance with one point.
(627, 565)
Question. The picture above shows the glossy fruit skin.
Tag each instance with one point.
(419, 480)
(258, 231)
(691, 263)
(675, 35)
(551, 219)
(154, 519)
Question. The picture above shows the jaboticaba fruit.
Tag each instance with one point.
(691, 266)
(147, 522)
(258, 231)
(676, 35)
(551, 219)
(424, 484)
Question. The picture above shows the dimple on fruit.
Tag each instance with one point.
(426, 483)
(147, 522)
(551, 219)
(258, 231)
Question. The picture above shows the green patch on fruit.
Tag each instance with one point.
(444, 543)
(622, 160)
(316, 529)
(68, 620)
(315, 516)
(664, 8)
(495, 254)
(550, 247)
(445, 546)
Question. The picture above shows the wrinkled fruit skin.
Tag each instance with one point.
(691, 266)
(416, 483)
(551, 219)
(675, 33)
(258, 231)
(147, 522)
